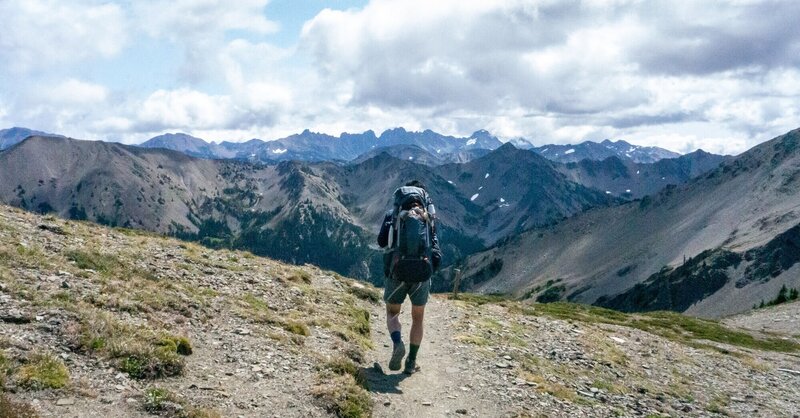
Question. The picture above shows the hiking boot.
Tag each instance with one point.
(398, 352)
(411, 366)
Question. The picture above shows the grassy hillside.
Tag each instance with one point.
(123, 323)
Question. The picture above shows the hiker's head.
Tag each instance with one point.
(417, 183)
(413, 203)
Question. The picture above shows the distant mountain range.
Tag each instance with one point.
(593, 151)
(426, 147)
(311, 146)
(323, 213)
(716, 245)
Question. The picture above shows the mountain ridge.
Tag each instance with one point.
(326, 213)
(606, 252)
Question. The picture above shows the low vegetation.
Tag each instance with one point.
(671, 325)
(126, 299)
(342, 389)
(139, 351)
(162, 402)
(42, 371)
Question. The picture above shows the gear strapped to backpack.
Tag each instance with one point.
(413, 223)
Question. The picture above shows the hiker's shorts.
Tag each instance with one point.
(395, 292)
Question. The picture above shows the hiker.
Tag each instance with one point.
(408, 265)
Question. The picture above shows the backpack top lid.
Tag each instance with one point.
(405, 196)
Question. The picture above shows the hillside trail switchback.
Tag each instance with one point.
(448, 382)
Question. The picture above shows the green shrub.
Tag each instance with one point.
(43, 371)
(147, 361)
(154, 399)
(180, 345)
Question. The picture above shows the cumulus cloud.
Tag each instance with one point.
(720, 75)
(187, 109)
(38, 34)
(577, 69)
(74, 91)
(184, 109)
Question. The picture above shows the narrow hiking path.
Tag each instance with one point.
(488, 360)
(449, 382)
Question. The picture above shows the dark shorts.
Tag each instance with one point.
(395, 292)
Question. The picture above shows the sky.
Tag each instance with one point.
(720, 75)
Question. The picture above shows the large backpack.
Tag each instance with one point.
(413, 223)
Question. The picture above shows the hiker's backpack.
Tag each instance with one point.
(413, 223)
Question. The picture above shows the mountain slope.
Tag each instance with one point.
(600, 151)
(186, 144)
(13, 136)
(419, 155)
(633, 180)
(220, 203)
(518, 190)
(743, 206)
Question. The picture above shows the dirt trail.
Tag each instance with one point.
(447, 383)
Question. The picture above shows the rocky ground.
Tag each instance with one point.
(100, 303)
(97, 321)
(507, 359)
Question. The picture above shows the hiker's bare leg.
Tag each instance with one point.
(417, 316)
(393, 317)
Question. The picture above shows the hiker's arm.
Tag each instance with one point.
(383, 236)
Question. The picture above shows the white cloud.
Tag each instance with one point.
(38, 34)
(562, 72)
(717, 75)
(73, 92)
(184, 109)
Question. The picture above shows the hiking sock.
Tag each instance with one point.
(412, 355)
(397, 337)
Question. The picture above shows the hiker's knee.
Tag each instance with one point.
(393, 309)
